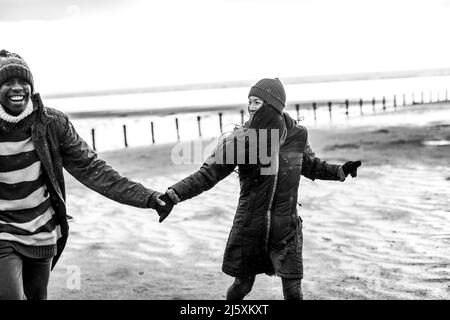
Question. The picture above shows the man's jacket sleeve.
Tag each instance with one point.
(203, 179)
(82, 163)
(314, 168)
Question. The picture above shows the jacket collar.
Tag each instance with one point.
(290, 123)
(42, 114)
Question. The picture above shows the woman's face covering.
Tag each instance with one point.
(266, 117)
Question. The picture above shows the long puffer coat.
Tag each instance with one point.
(266, 236)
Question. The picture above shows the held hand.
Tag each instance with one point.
(161, 203)
(164, 206)
(170, 198)
(350, 167)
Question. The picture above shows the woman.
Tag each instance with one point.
(266, 236)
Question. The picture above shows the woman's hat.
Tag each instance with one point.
(271, 91)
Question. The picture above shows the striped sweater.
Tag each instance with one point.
(27, 221)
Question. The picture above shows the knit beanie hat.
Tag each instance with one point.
(271, 91)
(13, 66)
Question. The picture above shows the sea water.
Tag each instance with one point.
(109, 130)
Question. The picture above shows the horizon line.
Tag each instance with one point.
(436, 72)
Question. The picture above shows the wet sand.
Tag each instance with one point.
(383, 235)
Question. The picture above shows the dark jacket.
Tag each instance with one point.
(266, 235)
(58, 146)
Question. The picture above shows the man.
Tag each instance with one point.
(36, 143)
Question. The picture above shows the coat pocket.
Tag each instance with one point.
(284, 204)
(297, 220)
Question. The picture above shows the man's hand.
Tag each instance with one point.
(166, 202)
(164, 206)
(161, 203)
(351, 167)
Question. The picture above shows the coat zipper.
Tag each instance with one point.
(274, 188)
(269, 214)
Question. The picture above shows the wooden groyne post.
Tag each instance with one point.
(346, 108)
(297, 107)
(329, 108)
(93, 138)
(125, 135)
(361, 106)
(220, 122)
(153, 133)
(314, 105)
(199, 126)
(178, 129)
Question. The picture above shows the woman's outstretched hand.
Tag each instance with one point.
(350, 167)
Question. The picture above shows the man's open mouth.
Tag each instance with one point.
(16, 98)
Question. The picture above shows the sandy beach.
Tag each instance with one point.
(384, 235)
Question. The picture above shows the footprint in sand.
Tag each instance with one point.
(119, 273)
(140, 290)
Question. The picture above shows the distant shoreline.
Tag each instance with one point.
(150, 112)
(438, 72)
(303, 105)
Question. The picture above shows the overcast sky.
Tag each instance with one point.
(75, 45)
